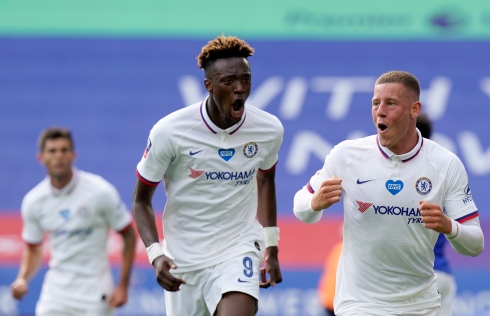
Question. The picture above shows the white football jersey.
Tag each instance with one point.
(77, 220)
(210, 182)
(387, 257)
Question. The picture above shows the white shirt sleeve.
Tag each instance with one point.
(272, 158)
(32, 232)
(302, 199)
(467, 238)
(159, 152)
(302, 207)
(114, 210)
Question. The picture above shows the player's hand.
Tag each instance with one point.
(329, 193)
(271, 267)
(162, 265)
(19, 288)
(118, 297)
(434, 218)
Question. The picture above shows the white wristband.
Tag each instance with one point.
(271, 236)
(154, 251)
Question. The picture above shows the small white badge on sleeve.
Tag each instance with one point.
(154, 251)
(271, 236)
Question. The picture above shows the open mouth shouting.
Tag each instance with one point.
(237, 108)
(382, 127)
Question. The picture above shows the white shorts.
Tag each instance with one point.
(74, 295)
(409, 307)
(204, 288)
(436, 311)
(52, 308)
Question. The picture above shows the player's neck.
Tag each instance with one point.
(60, 181)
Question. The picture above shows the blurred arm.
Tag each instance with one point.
(120, 295)
(31, 261)
(129, 240)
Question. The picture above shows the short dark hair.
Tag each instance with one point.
(222, 47)
(424, 125)
(55, 133)
(402, 77)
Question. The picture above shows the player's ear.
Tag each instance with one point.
(39, 157)
(415, 109)
(208, 85)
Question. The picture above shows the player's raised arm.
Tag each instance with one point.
(314, 197)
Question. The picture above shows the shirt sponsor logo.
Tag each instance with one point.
(250, 149)
(396, 210)
(148, 147)
(423, 186)
(195, 173)
(394, 187)
(412, 213)
(468, 198)
(69, 233)
(363, 206)
(241, 177)
(226, 154)
(226, 175)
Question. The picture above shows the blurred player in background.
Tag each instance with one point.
(327, 282)
(395, 186)
(445, 280)
(217, 159)
(77, 210)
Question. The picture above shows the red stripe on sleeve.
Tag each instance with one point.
(154, 184)
(125, 228)
(467, 217)
(308, 186)
(270, 169)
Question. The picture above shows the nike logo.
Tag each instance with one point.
(240, 280)
(361, 182)
(194, 153)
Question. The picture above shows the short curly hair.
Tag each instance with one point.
(223, 47)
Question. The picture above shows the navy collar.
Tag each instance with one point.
(403, 157)
(215, 129)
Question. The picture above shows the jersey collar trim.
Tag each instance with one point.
(404, 157)
(67, 189)
(215, 129)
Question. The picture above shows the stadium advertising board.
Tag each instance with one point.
(287, 19)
